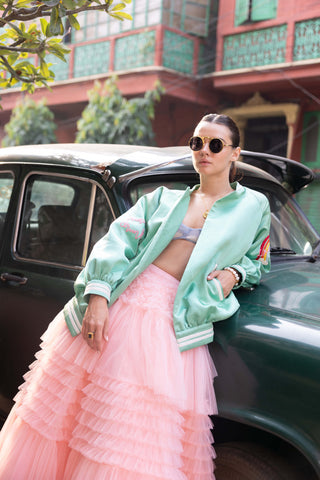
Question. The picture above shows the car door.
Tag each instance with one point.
(48, 231)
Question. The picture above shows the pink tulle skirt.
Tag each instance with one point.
(139, 410)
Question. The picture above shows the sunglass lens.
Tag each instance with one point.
(216, 145)
(196, 143)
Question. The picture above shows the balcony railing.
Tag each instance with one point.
(307, 40)
(158, 46)
(270, 45)
(258, 47)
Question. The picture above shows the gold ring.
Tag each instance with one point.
(90, 335)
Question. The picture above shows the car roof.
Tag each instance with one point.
(126, 161)
(83, 155)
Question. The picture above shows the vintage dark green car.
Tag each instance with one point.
(56, 201)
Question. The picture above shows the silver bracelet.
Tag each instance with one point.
(235, 274)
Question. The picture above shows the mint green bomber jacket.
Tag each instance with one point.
(235, 233)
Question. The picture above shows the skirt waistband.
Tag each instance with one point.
(163, 274)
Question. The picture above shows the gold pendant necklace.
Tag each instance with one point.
(207, 210)
(206, 213)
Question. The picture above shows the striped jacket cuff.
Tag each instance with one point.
(73, 316)
(96, 287)
(196, 339)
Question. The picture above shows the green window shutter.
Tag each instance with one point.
(310, 152)
(263, 10)
(242, 12)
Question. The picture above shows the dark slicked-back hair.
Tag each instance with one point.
(227, 122)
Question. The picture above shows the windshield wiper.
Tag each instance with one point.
(282, 250)
(315, 252)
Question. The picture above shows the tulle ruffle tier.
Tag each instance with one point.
(139, 410)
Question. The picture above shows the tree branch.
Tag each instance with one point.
(24, 14)
(85, 8)
(18, 42)
(8, 7)
(16, 49)
(14, 73)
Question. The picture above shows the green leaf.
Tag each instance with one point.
(14, 27)
(32, 28)
(44, 69)
(29, 87)
(21, 65)
(54, 16)
(54, 41)
(62, 11)
(31, 69)
(24, 87)
(119, 6)
(13, 58)
(70, 4)
(22, 26)
(22, 3)
(13, 81)
(51, 3)
(58, 48)
(44, 24)
(57, 54)
(56, 25)
(121, 16)
(81, 3)
(74, 22)
(10, 33)
(48, 33)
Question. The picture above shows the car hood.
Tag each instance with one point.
(293, 286)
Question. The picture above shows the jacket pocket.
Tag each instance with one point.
(218, 288)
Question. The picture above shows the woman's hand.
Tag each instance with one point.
(226, 279)
(96, 322)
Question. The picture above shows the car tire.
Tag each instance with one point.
(248, 461)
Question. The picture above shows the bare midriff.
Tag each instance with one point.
(175, 257)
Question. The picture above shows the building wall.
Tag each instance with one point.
(264, 73)
(139, 58)
(206, 61)
(271, 68)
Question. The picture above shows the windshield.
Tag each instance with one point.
(290, 230)
(291, 233)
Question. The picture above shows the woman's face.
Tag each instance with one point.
(207, 163)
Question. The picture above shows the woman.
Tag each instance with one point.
(130, 397)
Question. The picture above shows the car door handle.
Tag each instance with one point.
(10, 277)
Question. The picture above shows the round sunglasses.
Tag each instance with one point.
(216, 145)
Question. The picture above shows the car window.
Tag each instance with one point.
(6, 185)
(54, 219)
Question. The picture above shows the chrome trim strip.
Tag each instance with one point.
(140, 171)
(89, 225)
